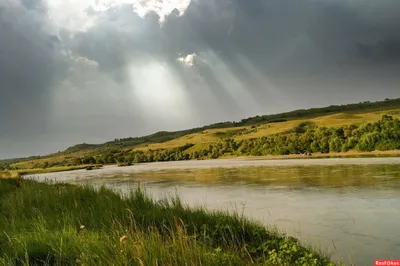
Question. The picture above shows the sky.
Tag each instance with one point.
(74, 71)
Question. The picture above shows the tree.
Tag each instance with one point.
(324, 145)
(335, 144)
(77, 161)
(88, 160)
(99, 160)
(368, 141)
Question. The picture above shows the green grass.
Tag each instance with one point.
(60, 224)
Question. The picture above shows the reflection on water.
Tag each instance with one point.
(353, 203)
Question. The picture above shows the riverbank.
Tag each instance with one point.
(349, 154)
(64, 224)
(20, 172)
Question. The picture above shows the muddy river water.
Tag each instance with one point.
(350, 207)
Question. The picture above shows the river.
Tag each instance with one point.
(348, 206)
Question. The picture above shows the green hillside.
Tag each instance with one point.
(187, 142)
(164, 136)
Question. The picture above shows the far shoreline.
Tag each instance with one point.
(338, 155)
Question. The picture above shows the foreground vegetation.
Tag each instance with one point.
(61, 224)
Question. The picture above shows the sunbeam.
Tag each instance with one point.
(158, 92)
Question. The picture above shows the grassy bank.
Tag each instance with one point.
(67, 225)
(18, 173)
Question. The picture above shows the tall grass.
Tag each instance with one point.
(60, 224)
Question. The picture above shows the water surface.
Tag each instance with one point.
(350, 206)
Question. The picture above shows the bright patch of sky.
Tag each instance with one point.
(190, 59)
(161, 7)
(72, 13)
(160, 93)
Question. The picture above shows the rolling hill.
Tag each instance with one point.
(249, 128)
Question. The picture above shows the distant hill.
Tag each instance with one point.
(164, 136)
(15, 160)
(80, 147)
(252, 127)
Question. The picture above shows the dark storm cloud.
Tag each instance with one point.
(279, 39)
(297, 45)
(284, 32)
(237, 58)
(37, 5)
(119, 38)
(29, 67)
(384, 51)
